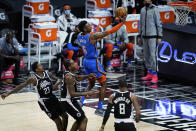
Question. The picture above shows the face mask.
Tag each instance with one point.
(116, 23)
(147, 4)
(67, 12)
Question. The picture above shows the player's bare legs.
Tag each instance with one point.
(82, 126)
(64, 121)
(75, 126)
(58, 124)
(102, 91)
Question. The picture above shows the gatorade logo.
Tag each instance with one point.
(2, 16)
(41, 6)
(135, 25)
(103, 2)
(167, 15)
(103, 21)
(48, 33)
(57, 12)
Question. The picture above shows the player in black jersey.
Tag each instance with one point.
(69, 94)
(123, 102)
(47, 100)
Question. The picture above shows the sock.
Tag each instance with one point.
(108, 63)
(100, 105)
(129, 61)
(151, 72)
(82, 99)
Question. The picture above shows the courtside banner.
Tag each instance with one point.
(3, 17)
(177, 55)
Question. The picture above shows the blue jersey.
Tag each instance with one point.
(89, 50)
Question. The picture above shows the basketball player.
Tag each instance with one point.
(69, 94)
(123, 102)
(47, 100)
(91, 64)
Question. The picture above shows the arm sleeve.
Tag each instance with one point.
(71, 47)
(107, 113)
(158, 23)
(109, 38)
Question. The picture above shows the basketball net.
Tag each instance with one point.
(182, 10)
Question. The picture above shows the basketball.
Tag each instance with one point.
(121, 12)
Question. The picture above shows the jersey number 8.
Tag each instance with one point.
(122, 108)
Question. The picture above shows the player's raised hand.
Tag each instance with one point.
(90, 93)
(3, 96)
(92, 75)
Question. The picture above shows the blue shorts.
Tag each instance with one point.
(93, 66)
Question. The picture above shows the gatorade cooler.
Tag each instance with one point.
(99, 3)
(48, 31)
(105, 17)
(42, 18)
(39, 6)
(167, 14)
(132, 23)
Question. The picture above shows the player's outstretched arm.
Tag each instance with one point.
(101, 35)
(83, 77)
(70, 85)
(19, 87)
(52, 76)
(56, 85)
(107, 112)
(136, 107)
(58, 82)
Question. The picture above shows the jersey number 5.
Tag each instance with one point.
(122, 108)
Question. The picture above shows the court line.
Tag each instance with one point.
(17, 102)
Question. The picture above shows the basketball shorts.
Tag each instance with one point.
(94, 66)
(52, 107)
(73, 108)
(124, 127)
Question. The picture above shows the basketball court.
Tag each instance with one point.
(164, 106)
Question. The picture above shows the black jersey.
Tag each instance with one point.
(44, 86)
(122, 105)
(64, 91)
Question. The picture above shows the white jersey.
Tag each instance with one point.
(67, 25)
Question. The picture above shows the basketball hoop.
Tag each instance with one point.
(182, 10)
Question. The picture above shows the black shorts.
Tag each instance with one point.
(124, 127)
(73, 108)
(52, 107)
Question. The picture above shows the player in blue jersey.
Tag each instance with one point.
(88, 42)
